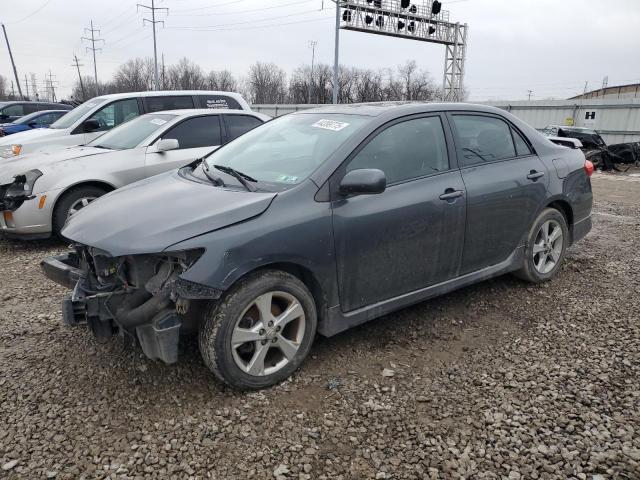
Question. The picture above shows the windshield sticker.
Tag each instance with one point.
(330, 125)
(158, 121)
(288, 179)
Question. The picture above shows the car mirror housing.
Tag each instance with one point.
(167, 144)
(367, 181)
(90, 126)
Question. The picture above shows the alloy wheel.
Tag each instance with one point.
(547, 247)
(268, 334)
(79, 205)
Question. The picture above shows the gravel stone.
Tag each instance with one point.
(500, 380)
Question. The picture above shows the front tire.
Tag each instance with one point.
(260, 332)
(545, 248)
(72, 201)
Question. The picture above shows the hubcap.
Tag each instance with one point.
(547, 246)
(268, 334)
(79, 205)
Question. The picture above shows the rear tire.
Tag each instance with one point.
(259, 332)
(73, 200)
(545, 248)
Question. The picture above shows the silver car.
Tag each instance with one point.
(39, 192)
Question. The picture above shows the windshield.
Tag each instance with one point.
(287, 150)
(77, 113)
(27, 118)
(130, 134)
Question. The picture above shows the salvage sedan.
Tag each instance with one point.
(316, 222)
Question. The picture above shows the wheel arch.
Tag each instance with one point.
(563, 206)
(108, 187)
(302, 273)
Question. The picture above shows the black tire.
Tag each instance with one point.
(61, 210)
(222, 316)
(529, 272)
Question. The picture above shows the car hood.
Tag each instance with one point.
(11, 167)
(151, 215)
(31, 135)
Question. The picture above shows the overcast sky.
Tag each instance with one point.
(549, 46)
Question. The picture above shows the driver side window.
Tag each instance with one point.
(116, 113)
(406, 150)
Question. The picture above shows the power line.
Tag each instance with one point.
(207, 27)
(93, 48)
(238, 12)
(153, 23)
(210, 6)
(32, 13)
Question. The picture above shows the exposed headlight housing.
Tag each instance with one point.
(23, 184)
(11, 150)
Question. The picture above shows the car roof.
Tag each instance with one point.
(192, 112)
(10, 102)
(399, 108)
(167, 93)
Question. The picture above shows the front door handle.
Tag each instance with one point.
(533, 175)
(450, 194)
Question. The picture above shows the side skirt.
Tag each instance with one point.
(337, 321)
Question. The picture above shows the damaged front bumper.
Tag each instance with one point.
(140, 297)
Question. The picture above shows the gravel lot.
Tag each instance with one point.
(499, 380)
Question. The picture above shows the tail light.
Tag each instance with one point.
(588, 168)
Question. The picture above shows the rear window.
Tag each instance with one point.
(217, 101)
(156, 104)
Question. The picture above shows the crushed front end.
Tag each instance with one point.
(139, 297)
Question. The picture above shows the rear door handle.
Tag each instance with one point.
(533, 175)
(450, 194)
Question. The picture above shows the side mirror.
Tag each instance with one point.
(90, 126)
(363, 181)
(167, 144)
(32, 124)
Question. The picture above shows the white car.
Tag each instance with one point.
(94, 117)
(38, 192)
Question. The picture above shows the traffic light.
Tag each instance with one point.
(346, 15)
(404, 3)
(436, 7)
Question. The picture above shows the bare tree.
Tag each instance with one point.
(267, 83)
(185, 75)
(222, 80)
(416, 84)
(136, 75)
(3, 88)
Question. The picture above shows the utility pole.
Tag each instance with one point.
(312, 45)
(13, 64)
(164, 85)
(530, 93)
(77, 64)
(26, 84)
(52, 89)
(93, 48)
(34, 87)
(336, 54)
(153, 22)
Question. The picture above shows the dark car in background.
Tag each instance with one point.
(316, 222)
(41, 119)
(12, 111)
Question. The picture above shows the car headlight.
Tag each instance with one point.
(23, 184)
(11, 150)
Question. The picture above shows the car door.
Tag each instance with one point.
(506, 186)
(411, 235)
(196, 137)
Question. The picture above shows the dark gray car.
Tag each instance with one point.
(316, 222)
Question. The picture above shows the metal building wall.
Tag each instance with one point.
(617, 120)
